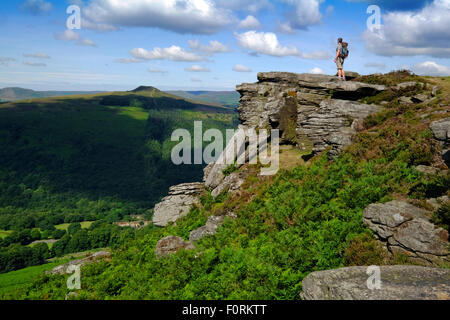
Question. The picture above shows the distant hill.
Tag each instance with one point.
(16, 93)
(113, 146)
(228, 99)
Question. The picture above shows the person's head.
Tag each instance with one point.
(345, 44)
(339, 40)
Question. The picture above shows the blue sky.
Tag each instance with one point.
(212, 44)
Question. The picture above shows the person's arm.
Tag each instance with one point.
(338, 53)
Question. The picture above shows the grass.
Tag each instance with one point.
(4, 233)
(65, 226)
(12, 282)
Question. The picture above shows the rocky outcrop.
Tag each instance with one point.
(95, 257)
(407, 229)
(209, 228)
(397, 283)
(312, 112)
(261, 102)
(171, 244)
(333, 123)
(177, 204)
(441, 132)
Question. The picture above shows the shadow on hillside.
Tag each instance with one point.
(76, 147)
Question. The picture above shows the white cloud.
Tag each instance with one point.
(423, 32)
(197, 68)
(375, 65)
(241, 68)
(4, 61)
(208, 50)
(86, 42)
(70, 35)
(286, 28)
(155, 70)
(315, 55)
(316, 71)
(35, 64)
(174, 53)
(182, 16)
(244, 5)
(305, 13)
(36, 7)
(265, 43)
(431, 68)
(127, 60)
(36, 55)
(330, 10)
(249, 23)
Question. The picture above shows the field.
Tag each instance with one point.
(65, 226)
(12, 281)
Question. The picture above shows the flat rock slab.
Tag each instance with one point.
(397, 283)
(95, 257)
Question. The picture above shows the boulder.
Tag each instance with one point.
(406, 85)
(397, 283)
(419, 98)
(209, 229)
(434, 91)
(178, 203)
(405, 228)
(405, 100)
(441, 132)
(171, 244)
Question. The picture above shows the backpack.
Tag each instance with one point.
(344, 53)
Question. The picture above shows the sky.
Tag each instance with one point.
(212, 44)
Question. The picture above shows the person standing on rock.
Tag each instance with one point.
(339, 60)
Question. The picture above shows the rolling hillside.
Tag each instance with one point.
(225, 98)
(14, 93)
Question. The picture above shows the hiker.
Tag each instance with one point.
(341, 54)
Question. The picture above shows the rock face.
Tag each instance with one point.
(95, 257)
(397, 283)
(312, 112)
(209, 229)
(177, 204)
(441, 132)
(405, 228)
(171, 244)
(230, 183)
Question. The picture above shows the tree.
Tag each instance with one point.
(35, 234)
(73, 228)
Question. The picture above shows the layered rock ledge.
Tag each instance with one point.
(407, 229)
(313, 112)
(177, 204)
